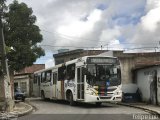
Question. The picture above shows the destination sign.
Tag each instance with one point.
(101, 60)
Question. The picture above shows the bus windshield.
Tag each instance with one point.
(103, 75)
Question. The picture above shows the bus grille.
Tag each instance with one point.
(104, 91)
(108, 97)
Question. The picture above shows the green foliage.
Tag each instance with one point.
(22, 35)
(3, 7)
(2, 4)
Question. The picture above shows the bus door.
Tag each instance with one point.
(39, 83)
(80, 84)
(36, 85)
(60, 82)
(47, 83)
(54, 90)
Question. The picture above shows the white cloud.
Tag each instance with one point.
(110, 34)
(147, 31)
(80, 28)
(49, 63)
(151, 4)
(152, 18)
(80, 23)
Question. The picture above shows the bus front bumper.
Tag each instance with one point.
(93, 98)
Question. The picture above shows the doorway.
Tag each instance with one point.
(153, 88)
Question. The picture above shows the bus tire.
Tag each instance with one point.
(42, 95)
(98, 104)
(71, 102)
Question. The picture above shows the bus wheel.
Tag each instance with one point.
(71, 102)
(42, 95)
(98, 103)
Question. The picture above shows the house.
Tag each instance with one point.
(24, 78)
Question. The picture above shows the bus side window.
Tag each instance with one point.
(70, 72)
(78, 75)
(43, 76)
(48, 76)
(61, 73)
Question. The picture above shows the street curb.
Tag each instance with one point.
(19, 114)
(27, 111)
(146, 109)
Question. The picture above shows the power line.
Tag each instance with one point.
(93, 47)
(70, 46)
(108, 43)
(71, 37)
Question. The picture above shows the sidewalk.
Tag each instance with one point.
(148, 107)
(19, 109)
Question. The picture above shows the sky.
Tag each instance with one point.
(90, 24)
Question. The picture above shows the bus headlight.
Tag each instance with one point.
(91, 92)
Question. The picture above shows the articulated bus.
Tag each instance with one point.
(87, 79)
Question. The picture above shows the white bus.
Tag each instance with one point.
(87, 79)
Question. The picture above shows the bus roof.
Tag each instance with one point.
(54, 67)
(84, 58)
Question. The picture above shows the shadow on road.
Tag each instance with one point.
(81, 105)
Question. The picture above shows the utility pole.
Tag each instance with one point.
(4, 77)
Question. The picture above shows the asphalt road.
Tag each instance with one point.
(60, 110)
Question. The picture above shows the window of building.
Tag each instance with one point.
(15, 85)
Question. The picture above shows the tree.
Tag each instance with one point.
(22, 35)
(2, 8)
(2, 4)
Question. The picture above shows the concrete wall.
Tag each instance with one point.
(126, 66)
(144, 78)
(132, 61)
